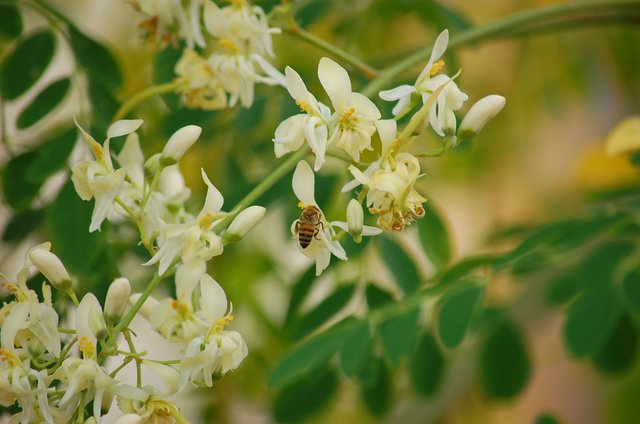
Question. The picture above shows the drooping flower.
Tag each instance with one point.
(170, 19)
(323, 242)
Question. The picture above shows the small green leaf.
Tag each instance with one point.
(45, 102)
(26, 64)
(504, 363)
(355, 352)
(631, 288)
(68, 219)
(434, 238)
(377, 297)
(18, 191)
(619, 352)
(399, 335)
(96, 59)
(21, 225)
(598, 267)
(10, 21)
(546, 419)
(455, 315)
(324, 311)
(562, 289)
(303, 398)
(590, 320)
(311, 355)
(52, 156)
(377, 395)
(426, 366)
(401, 266)
(466, 267)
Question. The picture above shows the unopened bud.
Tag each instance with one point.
(355, 219)
(243, 223)
(179, 143)
(52, 268)
(117, 299)
(449, 123)
(479, 114)
(147, 307)
(152, 165)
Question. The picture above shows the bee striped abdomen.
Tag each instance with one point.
(305, 235)
(308, 226)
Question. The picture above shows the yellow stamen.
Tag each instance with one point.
(8, 358)
(304, 106)
(436, 67)
(225, 43)
(206, 220)
(181, 309)
(87, 347)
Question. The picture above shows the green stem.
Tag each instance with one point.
(132, 348)
(275, 176)
(126, 320)
(367, 70)
(141, 96)
(503, 27)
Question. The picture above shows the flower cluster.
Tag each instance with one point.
(55, 378)
(233, 43)
(350, 125)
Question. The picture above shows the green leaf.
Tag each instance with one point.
(455, 314)
(504, 363)
(68, 219)
(546, 419)
(311, 355)
(10, 21)
(96, 59)
(52, 156)
(377, 297)
(434, 238)
(399, 335)
(104, 106)
(302, 399)
(465, 267)
(631, 289)
(21, 225)
(45, 102)
(434, 13)
(356, 351)
(598, 267)
(312, 11)
(619, 352)
(562, 289)
(26, 64)
(377, 395)
(18, 190)
(590, 321)
(324, 311)
(426, 366)
(401, 266)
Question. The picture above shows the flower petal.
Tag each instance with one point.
(335, 81)
(397, 93)
(131, 159)
(214, 200)
(439, 47)
(387, 129)
(214, 300)
(123, 127)
(303, 183)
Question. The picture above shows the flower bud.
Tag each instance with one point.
(52, 268)
(479, 114)
(97, 324)
(179, 143)
(242, 223)
(152, 165)
(117, 299)
(449, 123)
(355, 219)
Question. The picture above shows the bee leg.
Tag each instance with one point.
(315, 235)
(297, 227)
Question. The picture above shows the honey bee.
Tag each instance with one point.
(309, 225)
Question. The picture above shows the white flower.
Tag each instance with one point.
(441, 117)
(479, 114)
(170, 16)
(310, 126)
(192, 243)
(322, 244)
(52, 268)
(355, 222)
(117, 299)
(353, 122)
(202, 88)
(390, 184)
(98, 179)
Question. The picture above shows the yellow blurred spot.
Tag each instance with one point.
(625, 137)
(597, 171)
